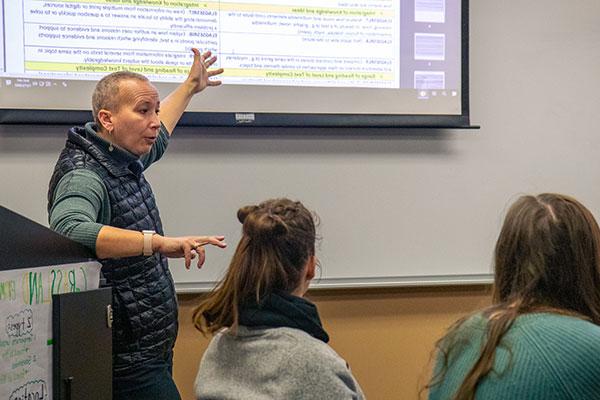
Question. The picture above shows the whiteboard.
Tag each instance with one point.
(397, 207)
(26, 314)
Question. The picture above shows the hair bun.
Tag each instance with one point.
(243, 212)
(261, 224)
(278, 226)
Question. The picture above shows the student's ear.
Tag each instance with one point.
(311, 267)
(105, 119)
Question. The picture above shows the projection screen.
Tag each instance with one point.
(287, 63)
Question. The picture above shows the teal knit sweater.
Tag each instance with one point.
(542, 356)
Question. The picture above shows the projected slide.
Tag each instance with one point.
(312, 43)
(321, 53)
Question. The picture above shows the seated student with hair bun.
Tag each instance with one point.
(540, 339)
(268, 340)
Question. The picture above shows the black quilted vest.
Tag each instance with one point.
(144, 302)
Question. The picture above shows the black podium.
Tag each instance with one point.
(81, 319)
(82, 352)
(27, 244)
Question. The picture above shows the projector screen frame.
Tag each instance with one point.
(260, 119)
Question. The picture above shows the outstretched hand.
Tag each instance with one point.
(173, 106)
(187, 247)
(199, 75)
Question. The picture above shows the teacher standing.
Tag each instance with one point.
(98, 196)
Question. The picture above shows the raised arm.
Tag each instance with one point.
(173, 106)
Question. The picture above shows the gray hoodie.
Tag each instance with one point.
(273, 363)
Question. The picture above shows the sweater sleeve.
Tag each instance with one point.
(80, 207)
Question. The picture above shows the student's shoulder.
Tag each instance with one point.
(567, 348)
(303, 347)
(560, 340)
(273, 338)
(320, 372)
(559, 327)
(308, 350)
(470, 329)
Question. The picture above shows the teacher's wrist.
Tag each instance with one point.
(157, 242)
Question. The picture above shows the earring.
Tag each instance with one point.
(110, 146)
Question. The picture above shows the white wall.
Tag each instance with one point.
(393, 203)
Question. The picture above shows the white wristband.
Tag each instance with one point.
(147, 249)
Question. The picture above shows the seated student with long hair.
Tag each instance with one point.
(268, 340)
(540, 339)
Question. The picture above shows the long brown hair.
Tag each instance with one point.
(278, 238)
(547, 259)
